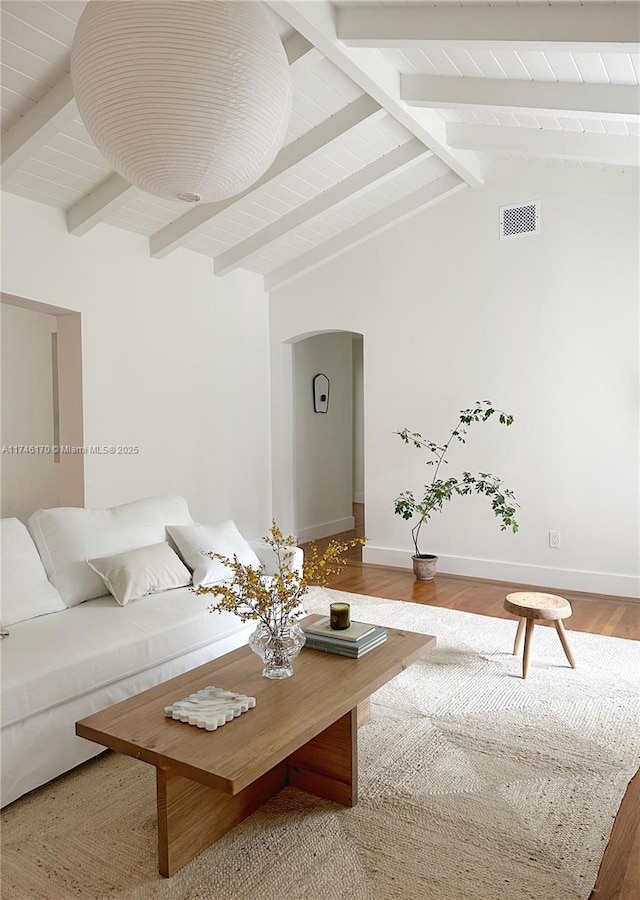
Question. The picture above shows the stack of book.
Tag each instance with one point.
(354, 641)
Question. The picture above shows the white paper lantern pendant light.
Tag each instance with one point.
(187, 100)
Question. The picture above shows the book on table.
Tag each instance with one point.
(354, 632)
(344, 650)
(373, 637)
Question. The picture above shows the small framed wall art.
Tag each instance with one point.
(321, 393)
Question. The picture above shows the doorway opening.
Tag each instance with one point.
(42, 417)
(327, 485)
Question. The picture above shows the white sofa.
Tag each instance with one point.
(76, 652)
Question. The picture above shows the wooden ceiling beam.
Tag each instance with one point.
(37, 126)
(587, 26)
(623, 150)
(380, 221)
(550, 97)
(98, 204)
(298, 49)
(372, 175)
(375, 75)
(361, 110)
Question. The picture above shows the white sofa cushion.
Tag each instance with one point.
(194, 541)
(26, 592)
(53, 659)
(147, 570)
(67, 536)
(294, 559)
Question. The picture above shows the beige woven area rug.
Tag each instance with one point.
(473, 784)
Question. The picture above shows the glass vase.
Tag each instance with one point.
(277, 646)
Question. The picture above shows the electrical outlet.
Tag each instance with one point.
(554, 539)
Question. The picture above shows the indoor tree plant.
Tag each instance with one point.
(438, 490)
(274, 601)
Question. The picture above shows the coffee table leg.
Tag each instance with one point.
(327, 765)
(364, 712)
(192, 816)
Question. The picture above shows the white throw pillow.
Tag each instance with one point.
(67, 537)
(193, 541)
(26, 592)
(147, 570)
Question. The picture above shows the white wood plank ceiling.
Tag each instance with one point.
(397, 105)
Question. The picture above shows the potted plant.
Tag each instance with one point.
(438, 490)
(274, 602)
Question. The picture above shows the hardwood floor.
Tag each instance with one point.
(619, 875)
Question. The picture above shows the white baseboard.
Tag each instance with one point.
(325, 530)
(358, 498)
(518, 573)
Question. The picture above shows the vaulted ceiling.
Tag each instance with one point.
(397, 106)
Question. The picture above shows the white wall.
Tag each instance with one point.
(175, 362)
(29, 480)
(323, 447)
(547, 327)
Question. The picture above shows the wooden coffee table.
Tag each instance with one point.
(302, 732)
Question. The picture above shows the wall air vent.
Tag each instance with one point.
(518, 220)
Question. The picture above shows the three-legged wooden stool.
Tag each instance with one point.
(531, 606)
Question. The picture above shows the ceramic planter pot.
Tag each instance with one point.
(424, 566)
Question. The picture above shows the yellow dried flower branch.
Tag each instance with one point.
(276, 598)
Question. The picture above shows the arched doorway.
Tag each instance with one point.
(325, 437)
